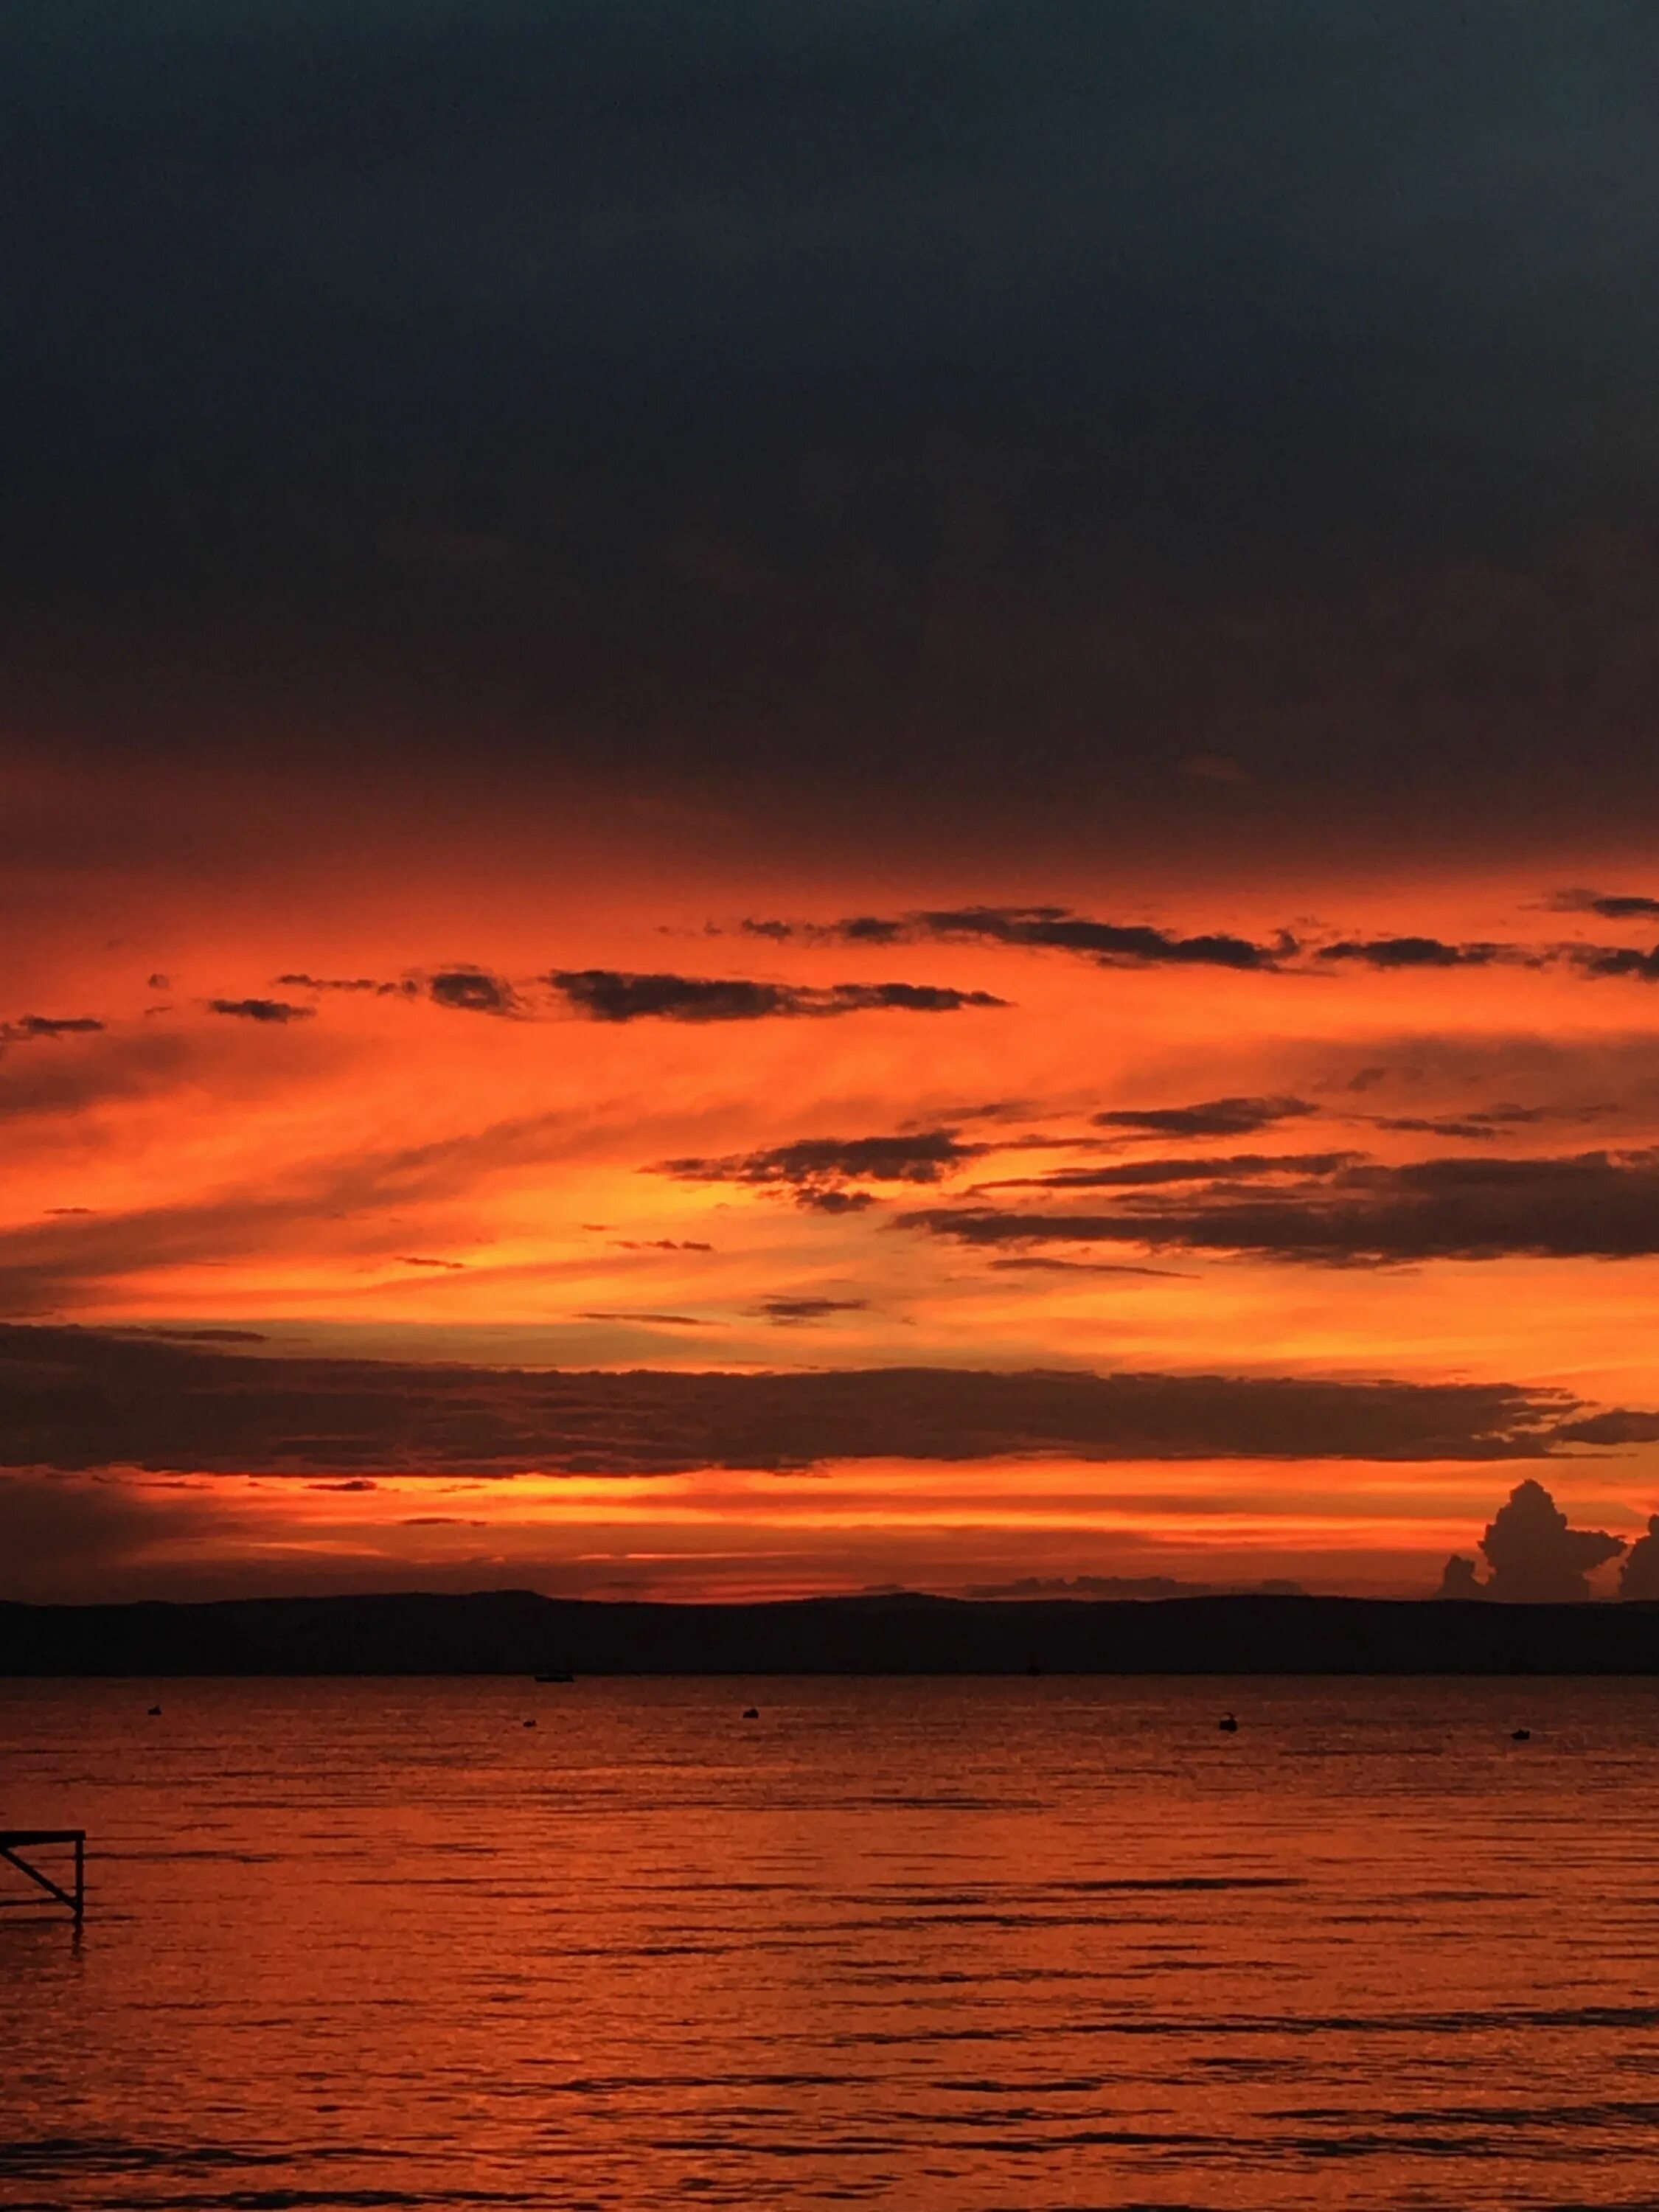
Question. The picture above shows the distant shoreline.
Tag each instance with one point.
(509, 1633)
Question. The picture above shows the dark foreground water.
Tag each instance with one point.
(927, 1945)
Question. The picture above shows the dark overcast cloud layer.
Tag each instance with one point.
(1590, 1205)
(915, 383)
(72, 1399)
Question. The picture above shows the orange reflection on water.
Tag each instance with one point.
(950, 1945)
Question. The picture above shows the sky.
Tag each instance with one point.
(795, 798)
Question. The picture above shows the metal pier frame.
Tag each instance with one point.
(14, 1842)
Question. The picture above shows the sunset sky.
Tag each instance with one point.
(797, 799)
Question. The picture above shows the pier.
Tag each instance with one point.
(14, 1842)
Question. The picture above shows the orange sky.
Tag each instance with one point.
(804, 603)
(378, 1173)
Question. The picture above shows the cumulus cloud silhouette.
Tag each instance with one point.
(1460, 1579)
(1639, 1577)
(1535, 1557)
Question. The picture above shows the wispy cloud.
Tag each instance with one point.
(609, 995)
(32, 1027)
(821, 1172)
(1211, 1117)
(274, 1013)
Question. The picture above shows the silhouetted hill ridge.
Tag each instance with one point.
(519, 1632)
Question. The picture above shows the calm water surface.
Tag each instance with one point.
(948, 1945)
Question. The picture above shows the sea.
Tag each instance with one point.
(948, 1946)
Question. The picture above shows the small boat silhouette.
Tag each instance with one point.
(1227, 1724)
(1520, 1735)
(751, 1712)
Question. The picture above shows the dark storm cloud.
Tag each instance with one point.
(607, 994)
(33, 1026)
(1414, 952)
(1590, 1205)
(818, 1170)
(471, 991)
(73, 1400)
(1213, 1118)
(925, 382)
(271, 1010)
